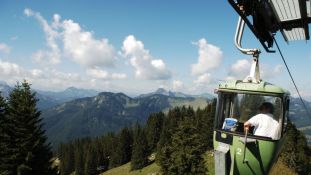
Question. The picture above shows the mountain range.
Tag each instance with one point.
(106, 112)
(75, 113)
(68, 94)
(162, 91)
(48, 99)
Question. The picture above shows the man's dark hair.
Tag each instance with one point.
(267, 106)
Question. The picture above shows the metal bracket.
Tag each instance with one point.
(254, 74)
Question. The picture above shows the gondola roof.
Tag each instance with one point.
(254, 88)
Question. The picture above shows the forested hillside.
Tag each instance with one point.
(182, 128)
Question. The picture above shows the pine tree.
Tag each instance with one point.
(180, 146)
(4, 139)
(100, 154)
(164, 146)
(123, 151)
(205, 124)
(28, 151)
(140, 149)
(90, 162)
(79, 161)
(187, 150)
(153, 129)
(108, 143)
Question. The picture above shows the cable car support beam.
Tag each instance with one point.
(248, 23)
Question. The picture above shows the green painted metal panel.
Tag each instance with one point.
(260, 155)
(262, 87)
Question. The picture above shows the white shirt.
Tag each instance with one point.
(265, 126)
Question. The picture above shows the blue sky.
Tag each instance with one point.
(134, 46)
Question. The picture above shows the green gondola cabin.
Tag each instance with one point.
(239, 101)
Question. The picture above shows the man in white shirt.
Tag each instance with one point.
(264, 123)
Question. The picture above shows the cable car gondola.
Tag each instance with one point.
(240, 151)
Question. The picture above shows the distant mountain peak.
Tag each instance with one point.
(71, 88)
(74, 89)
(161, 90)
(81, 91)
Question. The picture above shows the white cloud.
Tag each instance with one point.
(37, 73)
(84, 48)
(101, 74)
(178, 85)
(28, 12)
(210, 57)
(8, 69)
(203, 79)
(5, 48)
(268, 73)
(97, 73)
(69, 38)
(118, 76)
(241, 68)
(56, 21)
(53, 54)
(145, 65)
(46, 57)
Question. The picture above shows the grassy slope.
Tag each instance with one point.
(280, 168)
(154, 169)
(195, 104)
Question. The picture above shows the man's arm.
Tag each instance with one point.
(254, 121)
(247, 125)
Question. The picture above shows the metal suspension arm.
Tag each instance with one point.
(254, 75)
(238, 38)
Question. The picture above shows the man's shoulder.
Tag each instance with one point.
(255, 118)
(264, 115)
(260, 117)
